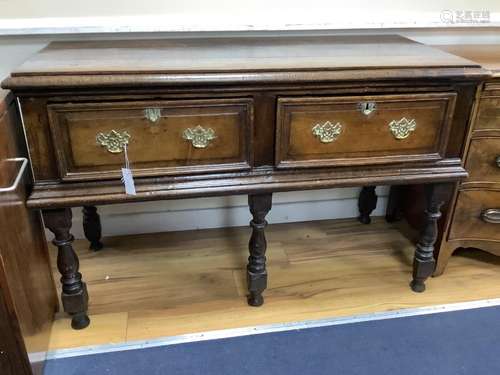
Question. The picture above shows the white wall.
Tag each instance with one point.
(224, 211)
(253, 8)
(222, 15)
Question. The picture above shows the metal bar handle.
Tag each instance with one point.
(491, 215)
(18, 177)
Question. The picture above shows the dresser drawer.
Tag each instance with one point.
(488, 115)
(359, 130)
(163, 137)
(483, 160)
(477, 215)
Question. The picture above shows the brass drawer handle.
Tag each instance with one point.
(367, 107)
(327, 132)
(401, 129)
(152, 114)
(199, 136)
(114, 141)
(491, 215)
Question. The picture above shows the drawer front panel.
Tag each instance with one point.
(483, 160)
(164, 137)
(477, 215)
(329, 131)
(488, 115)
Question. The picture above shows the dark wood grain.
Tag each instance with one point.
(74, 291)
(259, 180)
(243, 60)
(236, 54)
(92, 227)
(259, 205)
(395, 201)
(367, 202)
(424, 262)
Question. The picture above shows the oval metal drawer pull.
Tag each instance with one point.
(199, 136)
(491, 215)
(152, 114)
(497, 160)
(367, 107)
(327, 132)
(114, 141)
(401, 129)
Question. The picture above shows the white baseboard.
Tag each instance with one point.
(231, 211)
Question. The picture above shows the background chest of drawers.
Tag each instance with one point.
(239, 116)
(474, 219)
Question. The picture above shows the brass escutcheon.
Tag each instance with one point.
(152, 114)
(367, 107)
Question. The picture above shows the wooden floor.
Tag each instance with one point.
(149, 286)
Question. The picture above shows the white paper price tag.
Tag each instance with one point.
(128, 181)
(127, 178)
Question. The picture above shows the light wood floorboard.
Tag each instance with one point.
(149, 286)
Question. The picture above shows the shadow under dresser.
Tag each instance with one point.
(218, 116)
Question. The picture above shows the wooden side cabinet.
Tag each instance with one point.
(13, 355)
(474, 219)
(28, 298)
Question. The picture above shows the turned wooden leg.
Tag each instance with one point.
(256, 269)
(92, 227)
(424, 263)
(74, 291)
(394, 205)
(367, 202)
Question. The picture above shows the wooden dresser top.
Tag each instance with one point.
(315, 58)
(235, 54)
(487, 55)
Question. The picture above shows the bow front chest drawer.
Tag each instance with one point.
(474, 218)
(206, 117)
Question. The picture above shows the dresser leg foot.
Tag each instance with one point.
(80, 321)
(255, 299)
(92, 227)
(259, 205)
(367, 202)
(74, 294)
(417, 286)
(424, 263)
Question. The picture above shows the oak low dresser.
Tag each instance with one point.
(218, 116)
